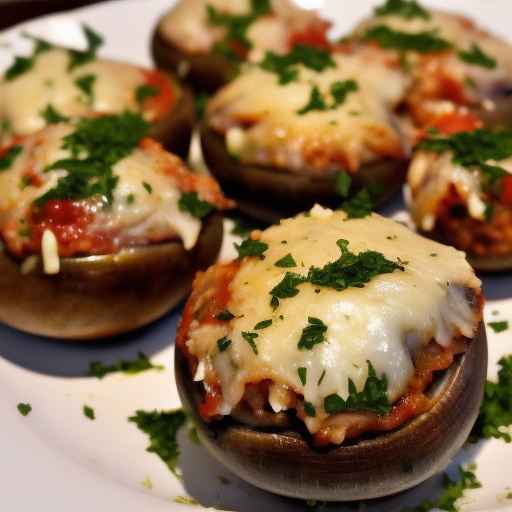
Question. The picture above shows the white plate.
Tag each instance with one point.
(56, 459)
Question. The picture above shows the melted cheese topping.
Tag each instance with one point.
(430, 178)
(187, 26)
(359, 130)
(462, 33)
(136, 216)
(50, 82)
(387, 322)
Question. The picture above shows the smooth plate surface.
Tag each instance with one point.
(56, 459)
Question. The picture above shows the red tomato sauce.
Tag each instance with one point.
(69, 222)
(315, 35)
(164, 100)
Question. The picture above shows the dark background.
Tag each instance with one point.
(15, 11)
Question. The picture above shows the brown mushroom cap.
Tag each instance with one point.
(174, 129)
(99, 296)
(283, 462)
(203, 71)
(269, 194)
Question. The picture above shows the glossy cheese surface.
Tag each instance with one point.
(50, 82)
(144, 208)
(263, 125)
(386, 322)
(187, 25)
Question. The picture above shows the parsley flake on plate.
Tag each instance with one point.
(373, 396)
(24, 408)
(452, 491)
(498, 326)
(309, 409)
(23, 64)
(496, 407)
(225, 315)
(89, 412)
(130, 367)
(358, 206)
(162, 427)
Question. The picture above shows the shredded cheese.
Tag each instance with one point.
(50, 252)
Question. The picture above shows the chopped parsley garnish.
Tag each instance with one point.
(496, 408)
(130, 199)
(225, 315)
(498, 326)
(52, 116)
(189, 202)
(408, 9)
(96, 145)
(339, 91)
(313, 334)
(421, 42)
(373, 396)
(85, 84)
(7, 159)
(303, 374)
(285, 66)
(23, 64)
(131, 367)
(251, 247)
(162, 428)
(286, 262)
(320, 380)
(143, 92)
(89, 412)
(24, 409)
(250, 337)
(79, 57)
(309, 409)
(474, 149)
(351, 270)
(358, 206)
(316, 102)
(452, 491)
(262, 325)
(223, 343)
(477, 57)
(287, 288)
(147, 187)
(343, 182)
(18, 67)
(236, 27)
(5, 126)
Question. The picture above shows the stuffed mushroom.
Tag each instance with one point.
(320, 348)
(102, 229)
(310, 126)
(55, 84)
(452, 61)
(459, 190)
(205, 41)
